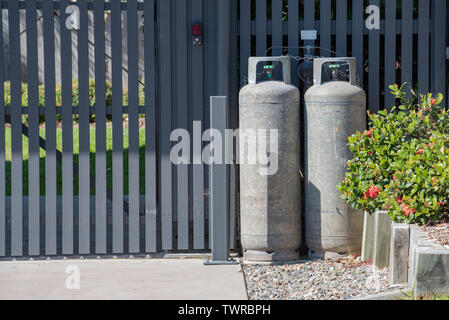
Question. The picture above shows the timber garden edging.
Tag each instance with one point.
(412, 257)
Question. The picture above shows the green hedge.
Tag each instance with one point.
(75, 94)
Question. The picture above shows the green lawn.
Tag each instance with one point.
(75, 159)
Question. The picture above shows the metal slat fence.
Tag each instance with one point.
(99, 187)
(104, 188)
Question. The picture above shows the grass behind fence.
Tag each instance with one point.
(75, 159)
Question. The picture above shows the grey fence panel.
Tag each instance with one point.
(374, 64)
(133, 130)
(424, 46)
(182, 117)
(407, 45)
(33, 137)
(50, 130)
(67, 134)
(293, 35)
(390, 51)
(325, 27)
(342, 17)
(439, 31)
(117, 130)
(150, 130)
(100, 130)
(16, 132)
(2, 151)
(165, 95)
(84, 238)
(197, 78)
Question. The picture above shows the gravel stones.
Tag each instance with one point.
(345, 278)
(439, 233)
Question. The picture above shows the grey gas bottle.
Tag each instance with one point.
(334, 110)
(270, 194)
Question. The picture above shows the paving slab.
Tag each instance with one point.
(111, 279)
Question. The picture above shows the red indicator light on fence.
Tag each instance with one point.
(196, 29)
(197, 38)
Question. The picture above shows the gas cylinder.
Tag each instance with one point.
(335, 108)
(270, 193)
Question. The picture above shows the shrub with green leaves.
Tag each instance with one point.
(401, 164)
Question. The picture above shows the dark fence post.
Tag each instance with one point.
(219, 184)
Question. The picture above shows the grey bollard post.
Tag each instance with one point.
(219, 206)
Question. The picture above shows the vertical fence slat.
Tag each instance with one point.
(197, 115)
(100, 129)
(357, 36)
(423, 48)
(374, 63)
(117, 129)
(164, 11)
(277, 33)
(67, 133)
(341, 26)
(133, 133)
(182, 107)
(150, 129)
(50, 130)
(2, 149)
(84, 132)
(276, 23)
(261, 27)
(245, 38)
(438, 47)
(211, 86)
(407, 45)
(233, 115)
(16, 131)
(309, 19)
(390, 51)
(325, 27)
(33, 136)
(293, 35)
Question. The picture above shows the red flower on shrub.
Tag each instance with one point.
(372, 192)
(368, 133)
(433, 101)
(407, 210)
(399, 199)
(420, 151)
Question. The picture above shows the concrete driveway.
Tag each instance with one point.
(165, 279)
